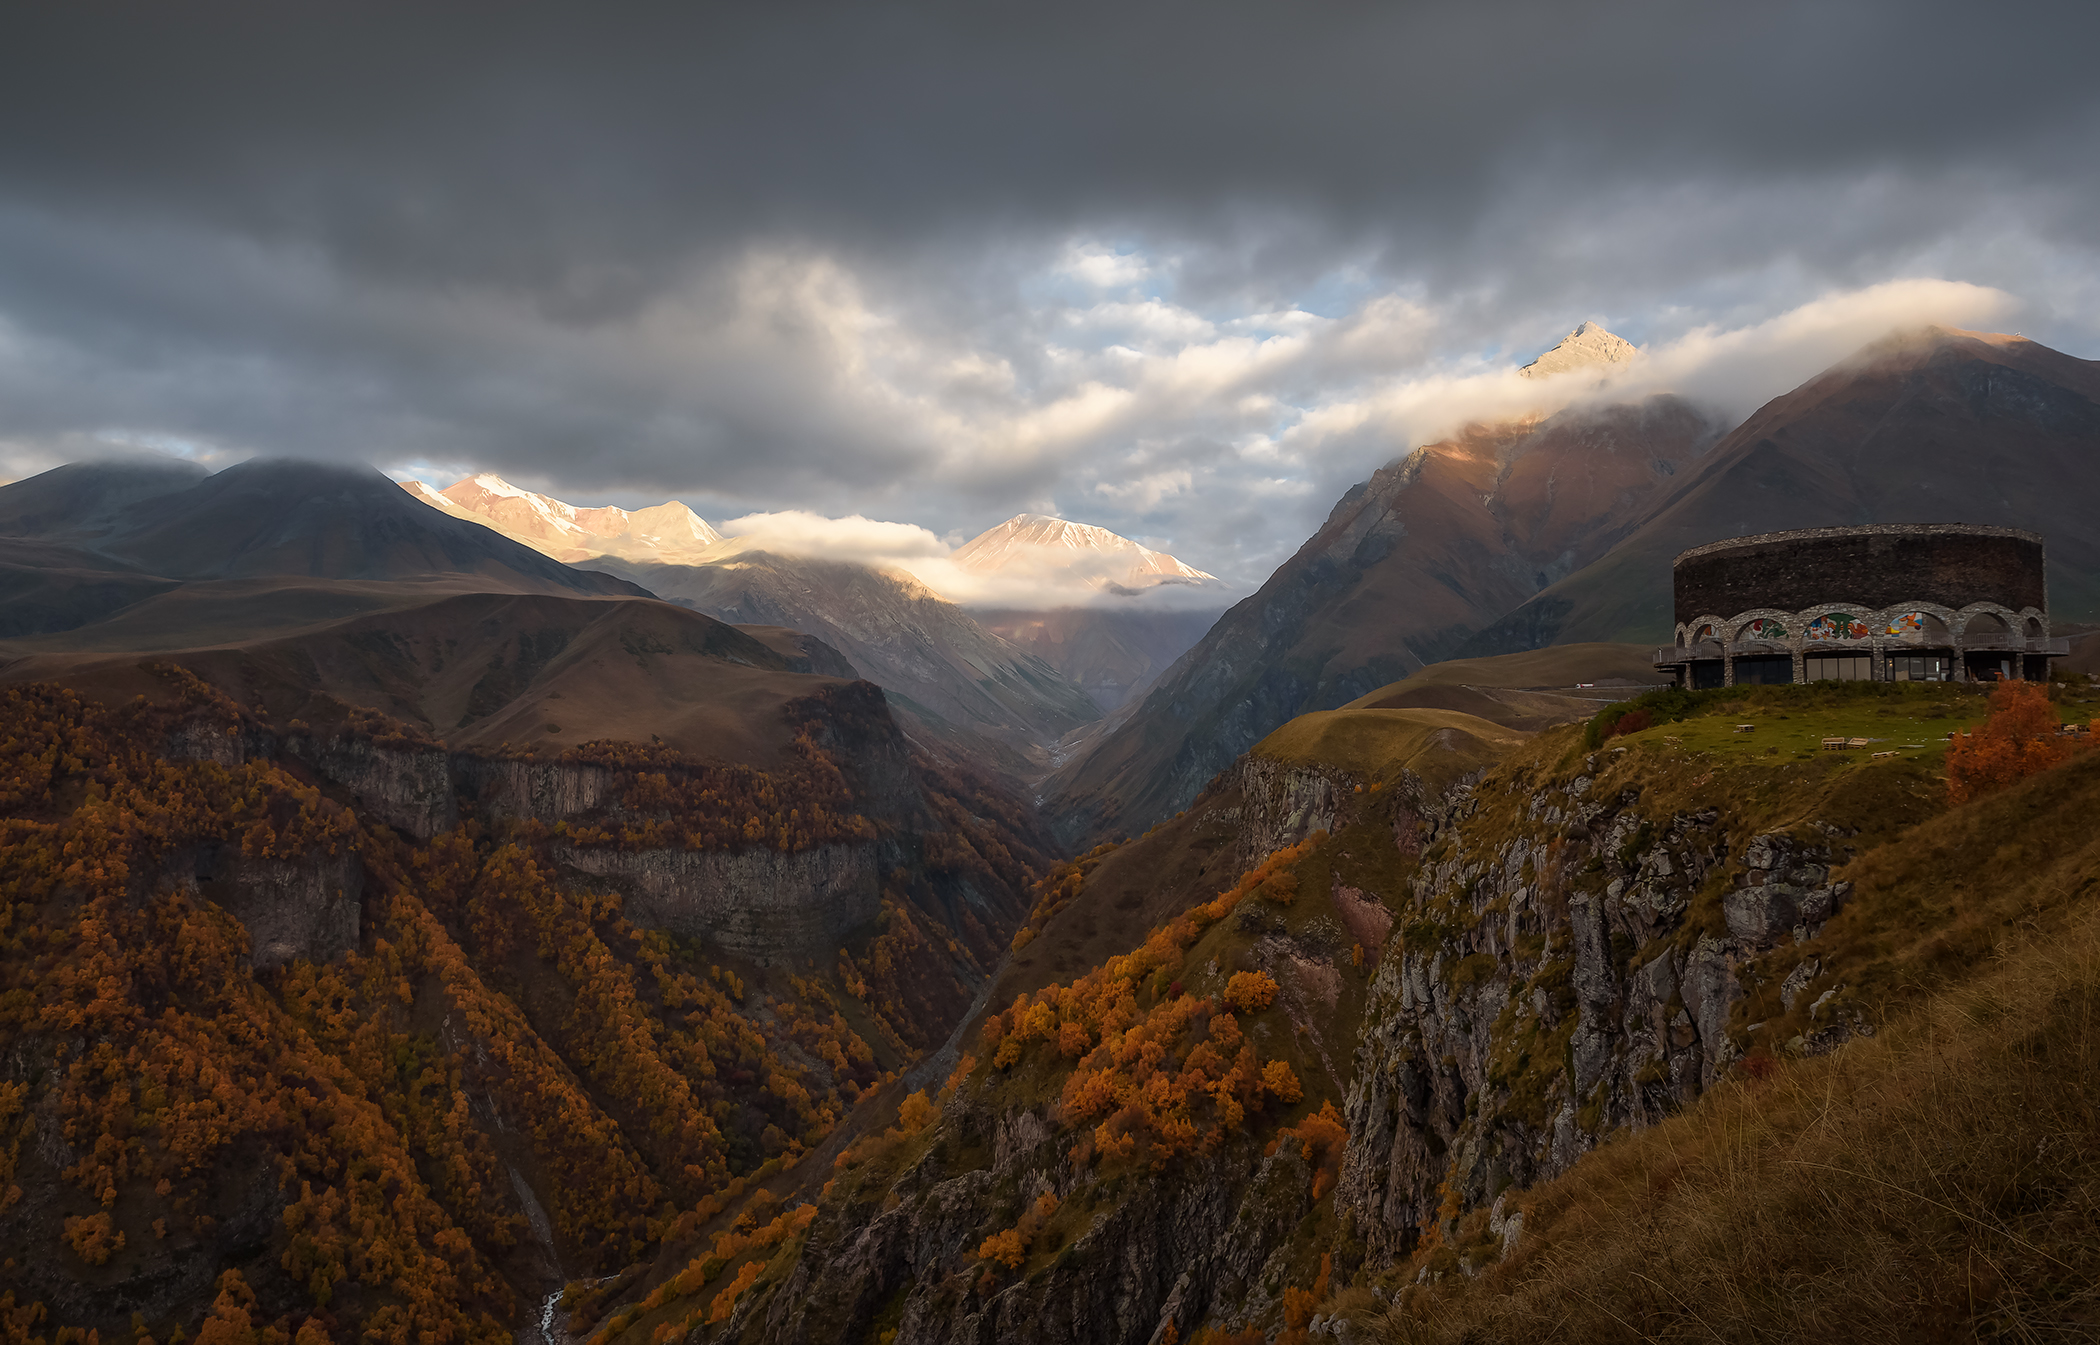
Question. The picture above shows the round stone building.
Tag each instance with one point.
(1881, 602)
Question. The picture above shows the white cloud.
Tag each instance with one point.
(1103, 267)
(1145, 493)
(801, 533)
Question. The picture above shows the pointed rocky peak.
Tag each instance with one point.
(671, 524)
(1039, 542)
(1588, 346)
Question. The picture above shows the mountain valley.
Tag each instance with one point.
(462, 916)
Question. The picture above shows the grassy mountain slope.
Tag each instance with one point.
(1102, 1168)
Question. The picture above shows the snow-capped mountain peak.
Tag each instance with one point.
(666, 532)
(1588, 346)
(1039, 542)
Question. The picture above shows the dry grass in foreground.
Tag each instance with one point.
(1938, 1182)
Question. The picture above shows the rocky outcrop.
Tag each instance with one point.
(406, 787)
(544, 791)
(758, 902)
(1565, 968)
(1283, 804)
(1206, 1243)
(308, 908)
(761, 904)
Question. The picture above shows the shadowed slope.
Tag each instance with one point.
(86, 542)
(526, 669)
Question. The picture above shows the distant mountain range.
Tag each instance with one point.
(1041, 674)
(1541, 529)
(664, 532)
(157, 554)
(1537, 531)
(1026, 546)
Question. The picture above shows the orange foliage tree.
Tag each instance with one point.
(484, 1002)
(2020, 737)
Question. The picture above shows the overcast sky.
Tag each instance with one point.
(1183, 270)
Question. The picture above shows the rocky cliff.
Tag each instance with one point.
(1570, 960)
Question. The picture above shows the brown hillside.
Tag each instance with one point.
(487, 669)
(900, 635)
(1408, 567)
(90, 543)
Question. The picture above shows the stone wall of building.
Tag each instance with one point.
(1877, 566)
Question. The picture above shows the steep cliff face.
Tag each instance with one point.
(752, 900)
(306, 908)
(759, 904)
(1570, 960)
(901, 1253)
(410, 787)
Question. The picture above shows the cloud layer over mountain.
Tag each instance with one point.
(1181, 271)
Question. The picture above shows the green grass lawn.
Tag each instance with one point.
(1911, 718)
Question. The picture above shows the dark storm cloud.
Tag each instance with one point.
(863, 257)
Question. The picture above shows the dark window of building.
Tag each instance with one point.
(1764, 671)
(1919, 668)
(1839, 667)
(1993, 667)
(1707, 673)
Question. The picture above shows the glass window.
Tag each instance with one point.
(1838, 668)
(1918, 668)
(1764, 671)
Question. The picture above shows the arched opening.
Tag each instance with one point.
(1985, 627)
(1916, 628)
(2034, 628)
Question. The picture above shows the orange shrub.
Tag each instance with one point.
(2020, 738)
(1278, 1080)
(1010, 1248)
(1250, 991)
(91, 1239)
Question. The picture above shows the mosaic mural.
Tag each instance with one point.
(1908, 626)
(1762, 629)
(1837, 626)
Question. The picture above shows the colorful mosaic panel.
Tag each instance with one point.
(1763, 629)
(1908, 626)
(1837, 626)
